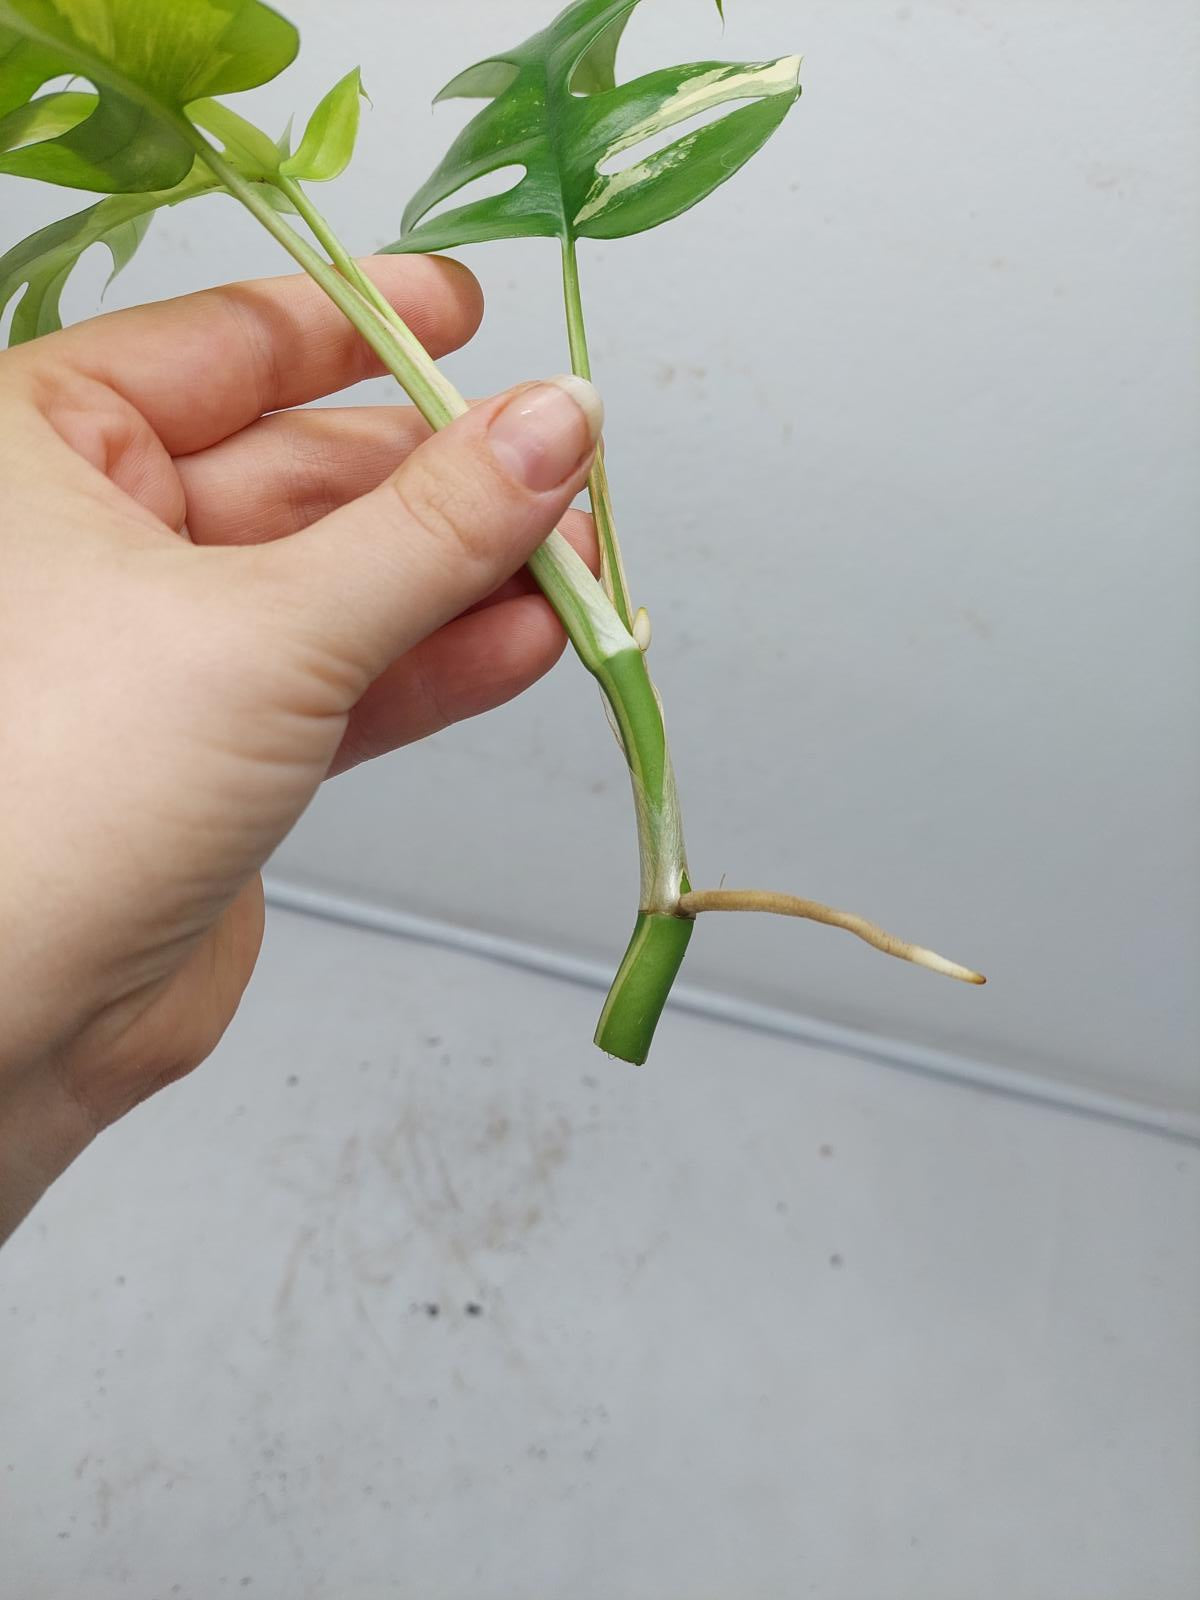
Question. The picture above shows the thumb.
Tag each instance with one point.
(462, 514)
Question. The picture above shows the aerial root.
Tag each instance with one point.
(790, 905)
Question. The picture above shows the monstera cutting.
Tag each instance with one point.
(589, 157)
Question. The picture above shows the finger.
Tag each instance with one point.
(288, 470)
(369, 581)
(578, 529)
(473, 664)
(485, 657)
(200, 367)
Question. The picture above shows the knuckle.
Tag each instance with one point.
(445, 510)
(308, 482)
(254, 330)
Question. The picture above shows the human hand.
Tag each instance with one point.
(210, 603)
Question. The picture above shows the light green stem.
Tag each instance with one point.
(442, 398)
(559, 570)
(392, 341)
(612, 568)
(599, 633)
(660, 937)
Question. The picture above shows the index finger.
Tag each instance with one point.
(203, 366)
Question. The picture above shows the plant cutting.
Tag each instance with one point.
(140, 123)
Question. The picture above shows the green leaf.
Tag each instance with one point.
(147, 60)
(45, 118)
(283, 144)
(328, 141)
(252, 152)
(557, 111)
(42, 263)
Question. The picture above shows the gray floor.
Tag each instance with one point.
(411, 1293)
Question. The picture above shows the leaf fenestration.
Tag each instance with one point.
(555, 109)
(146, 59)
(44, 118)
(41, 264)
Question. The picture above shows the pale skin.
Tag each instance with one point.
(214, 598)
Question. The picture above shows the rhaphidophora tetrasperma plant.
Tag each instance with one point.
(147, 132)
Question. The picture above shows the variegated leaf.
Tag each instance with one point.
(557, 112)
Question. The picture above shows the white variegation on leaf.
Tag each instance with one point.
(557, 112)
(710, 87)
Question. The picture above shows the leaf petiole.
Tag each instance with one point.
(437, 398)
(612, 567)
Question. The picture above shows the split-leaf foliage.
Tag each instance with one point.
(140, 124)
(153, 67)
(556, 111)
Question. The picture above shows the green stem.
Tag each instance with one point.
(563, 577)
(392, 341)
(600, 634)
(612, 568)
(661, 934)
(643, 982)
(594, 629)
(443, 399)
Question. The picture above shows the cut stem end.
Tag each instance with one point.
(643, 982)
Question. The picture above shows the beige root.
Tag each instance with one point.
(790, 905)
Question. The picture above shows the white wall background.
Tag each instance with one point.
(762, 1322)
(903, 434)
(903, 430)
